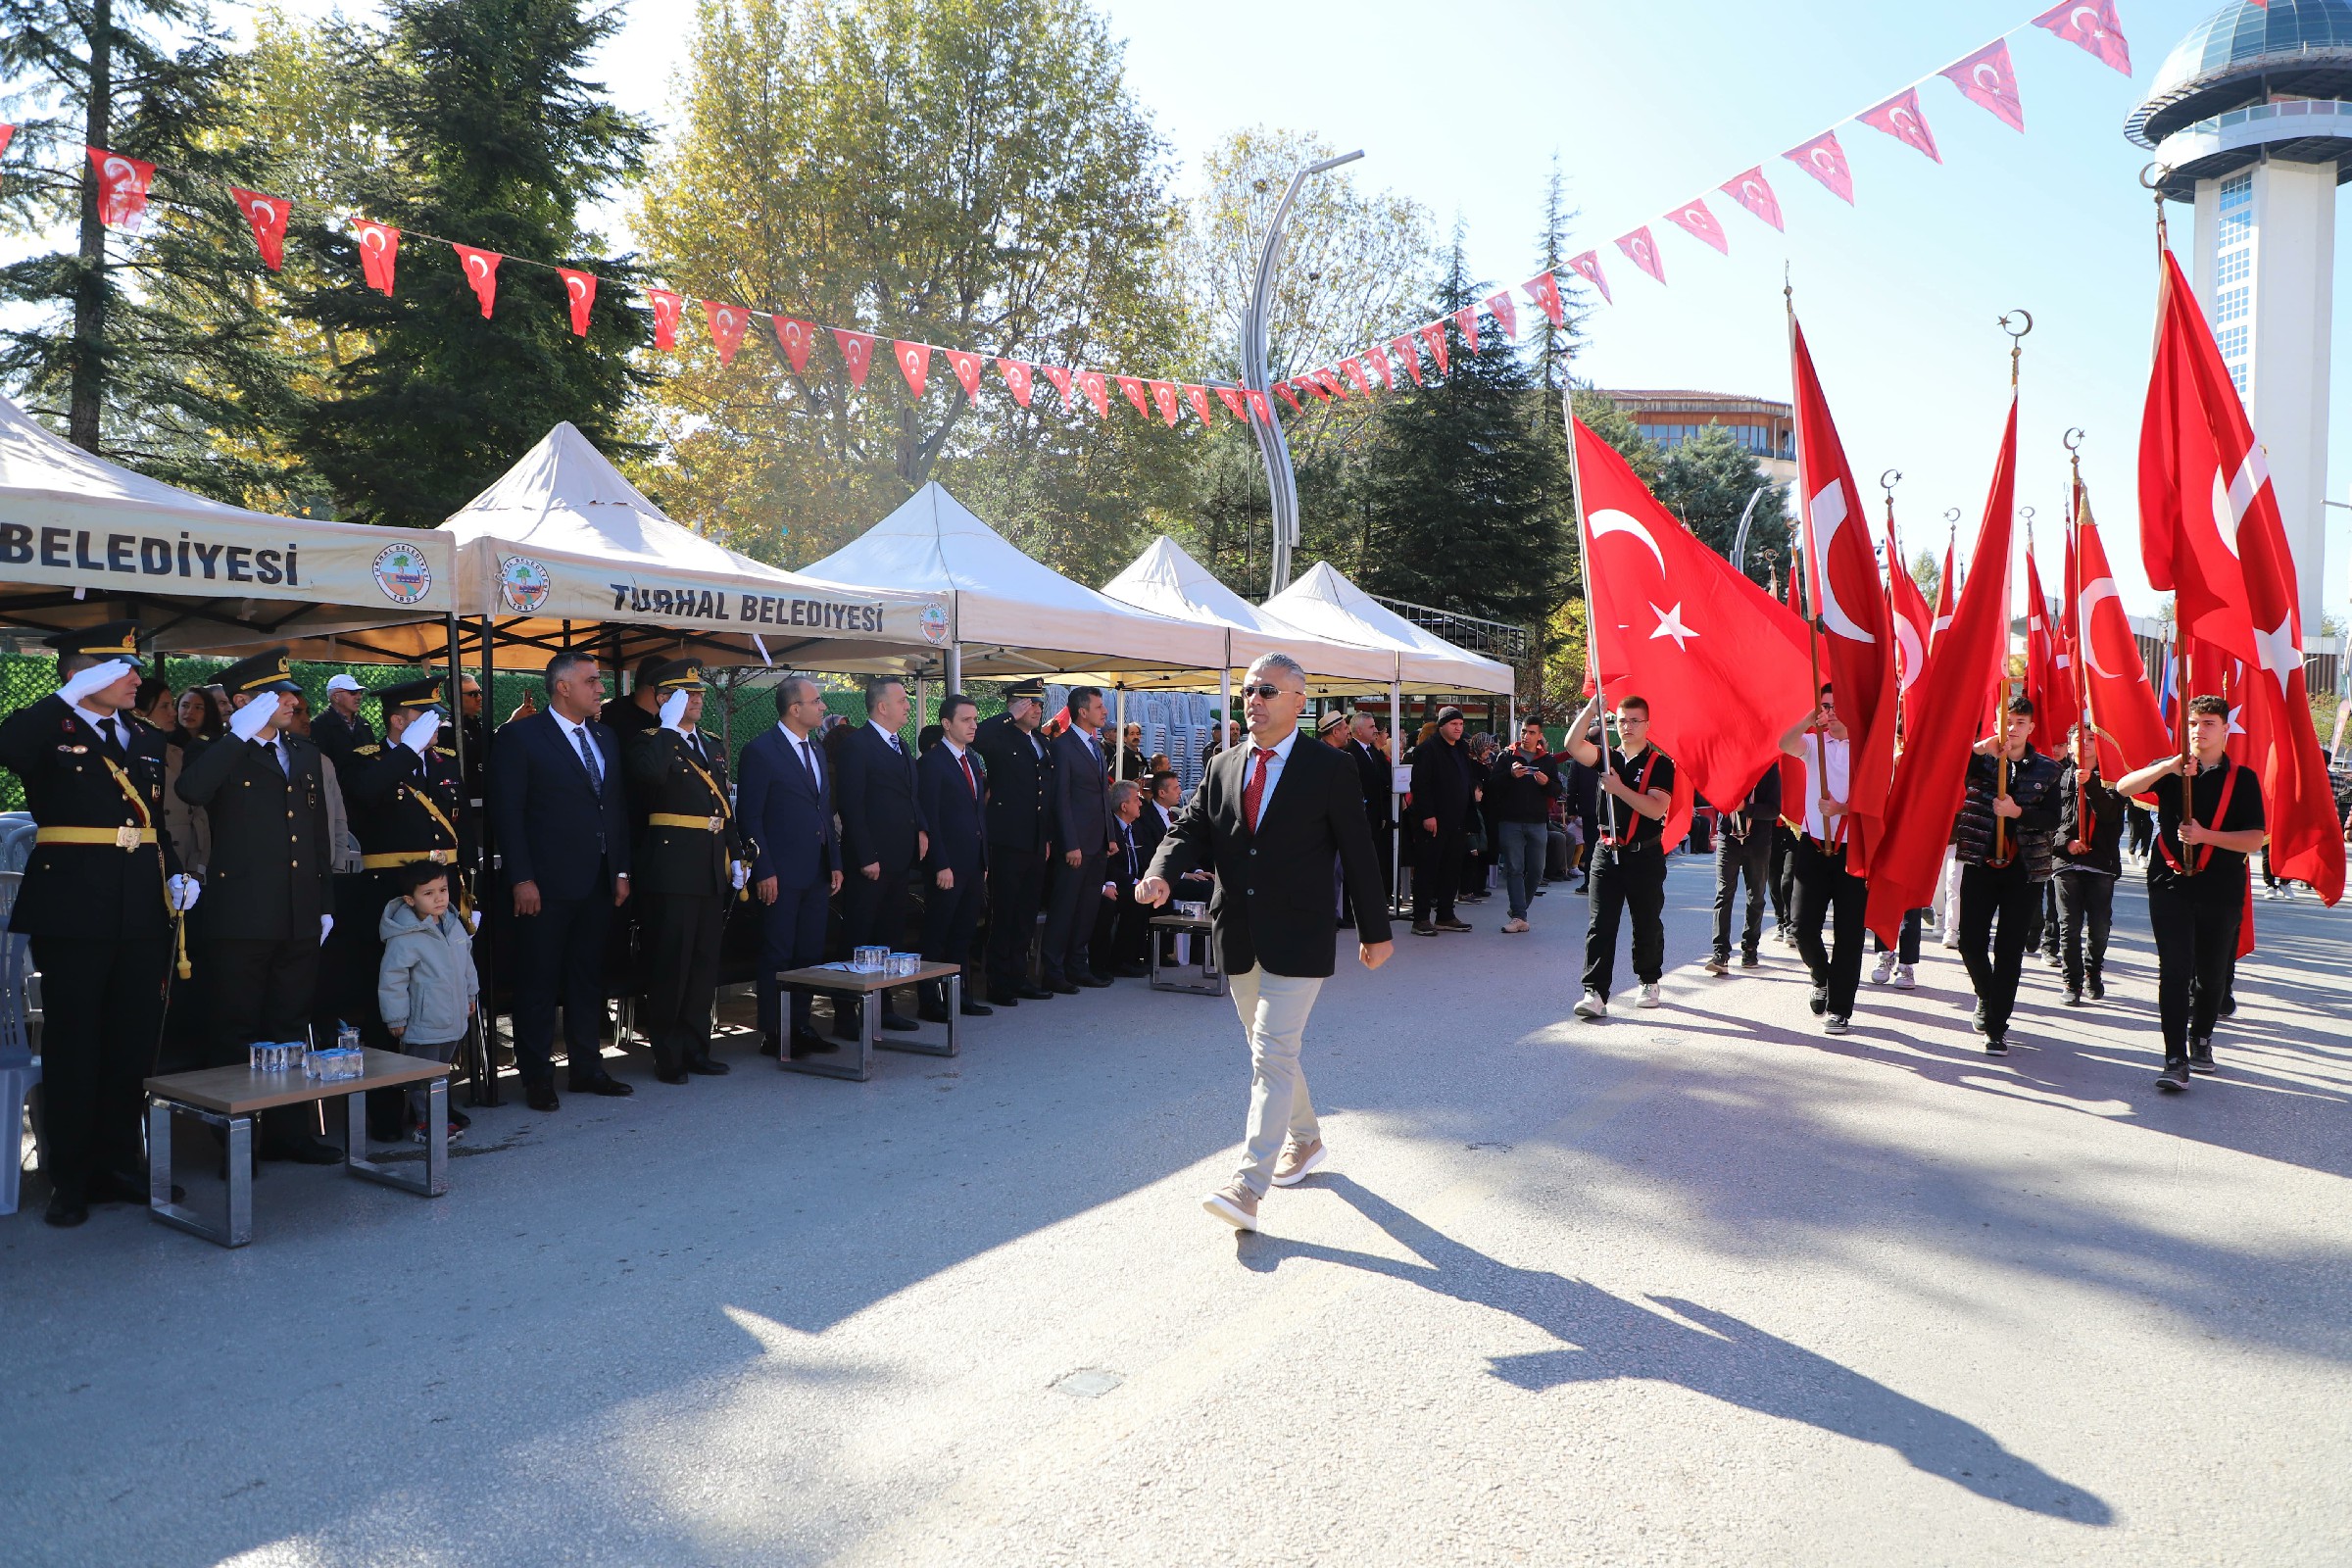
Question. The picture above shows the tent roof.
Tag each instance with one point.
(196, 572)
(1013, 615)
(1168, 581)
(1324, 604)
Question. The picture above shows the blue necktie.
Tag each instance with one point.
(596, 769)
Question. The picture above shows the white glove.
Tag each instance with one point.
(420, 731)
(183, 890)
(474, 918)
(743, 874)
(673, 711)
(96, 679)
(255, 717)
(327, 924)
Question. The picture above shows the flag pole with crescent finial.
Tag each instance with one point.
(2089, 729)
(2001, 855)
(1888, 480)
(2164, 249)
(1583, 546)
(1812, 576)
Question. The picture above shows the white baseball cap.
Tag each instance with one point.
(344, 683)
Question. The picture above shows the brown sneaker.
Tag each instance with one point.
(1234, 1204)
(1297, 1162)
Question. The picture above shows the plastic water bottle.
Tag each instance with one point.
(347, 1036)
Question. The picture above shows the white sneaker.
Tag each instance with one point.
(1885, 970)
(2286, 893)
(1593, 1007)
(1904, 979)
(1649, 997)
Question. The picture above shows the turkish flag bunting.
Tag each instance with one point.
(727, 323)
(1164, 399)
(1913, 622)
(1312, 380)
(1097, 390)
(1259, 405)
(1433, 334)
(968, 369)
(1724, 667)
(1988, 80)
(1848, 602)
(1407, 354)
(1019, 376)
(1466, 319)
(2115, 678)
(122, 187)
(1060, 377)
(1824, 157)
(1754, 191)
(856, 354)
(1135, 395)
(1963, 671)
(1236, 403)
(1544, 293)
(914, 363)
(379, 248)
(2047, 681)
(795, 338)
(8, 134)
(668, 308)
(1587, 268)
(1354, 369)
(1695, 220)
(1499, 306)
(1900, 117)
(481, 274)
(267, 214)
(2092, 23)
(1643, 251)
(1198, 397)
(2186, 497)
(1380, 367)
(1283, 390)
(1946, 590)
(579, 288)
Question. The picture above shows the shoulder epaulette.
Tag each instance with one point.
(365, 751)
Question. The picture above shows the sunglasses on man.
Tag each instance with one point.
(1265, 689)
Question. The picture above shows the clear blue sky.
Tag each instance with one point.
(1647, 104)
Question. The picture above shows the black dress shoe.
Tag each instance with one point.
(936, 1012)
(604, 1083)
(540, 1096)
(709, 1067)
(1032, 994)
(904, 1026)
(1062, 988)
(116, 1187)
(808, 1042)
(669, 1076)
(67, 1209)
(1000, 999)
(769, 1046)
(1092, 982)
(975, 1010)
(1133, 971)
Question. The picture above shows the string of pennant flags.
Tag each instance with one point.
(1987, 77)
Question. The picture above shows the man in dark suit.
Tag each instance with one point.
(1121, 924)
(1445, 793)
(785, 803)
(952, 785)
(101, 892)
(883, 834)
(559, 800)
(1082, 822)
(1369, 749)
(1019, 769)
(271, 902)
(1268, 820)
(688, 866)
(1163, 797)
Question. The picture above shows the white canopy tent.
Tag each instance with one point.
(1168, 582)
(84, 541)
(1323, 603)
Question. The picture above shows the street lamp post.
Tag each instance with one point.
(1282, 484)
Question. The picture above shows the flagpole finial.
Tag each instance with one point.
(2016, 339)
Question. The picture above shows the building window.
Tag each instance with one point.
(2233, 268)
(2236, 212)
(2229, 305)
(2232, 342)
(2237, 379)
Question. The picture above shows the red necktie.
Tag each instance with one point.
(1255, 792)
(965, 763)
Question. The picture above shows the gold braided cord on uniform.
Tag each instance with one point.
(726, 812)
(163, 867)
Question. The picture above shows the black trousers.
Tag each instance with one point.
(1625, 881)
(950, 922)
(1782, 872)
(1437, 872)
(2045, 920)
(2085, 911)
(559, 962)
(1070, 903)
(261, 992)
(874, 913)
(1735, 858)
(1827, 893)
(1906, 940)
(2140, 827)
(1016, 883)
(2196, 941)
(681, 932)
(792, 936)
(2010, 897)
(102, 1003)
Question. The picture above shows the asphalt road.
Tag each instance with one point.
(1693, 1286)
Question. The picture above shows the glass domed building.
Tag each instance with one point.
(2249, 122)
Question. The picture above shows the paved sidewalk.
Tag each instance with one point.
(1694, 1285)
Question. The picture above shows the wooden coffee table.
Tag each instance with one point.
(839, 983)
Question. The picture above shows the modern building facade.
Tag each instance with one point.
(2249, 123)
(1764, 427)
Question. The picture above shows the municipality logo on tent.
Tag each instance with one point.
(935, 623)
(403, 575)
(523, 584)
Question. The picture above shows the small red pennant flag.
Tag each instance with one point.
(1327, 382)
(122, 185)
(1135, 394)
(1754, 191)
(8, 135)
(1407, 356)
(1642, 251)
(1283, 389)
(1433, 334)
(856, 353)
(1499, 306)
(1020, 377)
(2092, 23)
(1163, 397)
(914, 363)
(1699, 223)
(1259, 405)
(727, 323)
(1544, 293)
(1059, 375)
(668, 309)
(379, 248)
(1235, 403)
(1098, 392)
(579, 288)
(1380, 367)
(267, 214)
(1824, 160)
(1587, 268)
(1198, 397)
(481, 274)
(1988, 80)
(796, 339)
(1900, 117)
(1466, 319)
(967, 367)
(1354, 369)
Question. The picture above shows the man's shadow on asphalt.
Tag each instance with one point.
(1609, 1336)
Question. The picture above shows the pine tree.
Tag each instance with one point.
(1709, 482)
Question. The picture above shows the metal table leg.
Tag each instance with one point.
(435, 1180)
(239, 1228)
(819, 1066)
(923, 1048)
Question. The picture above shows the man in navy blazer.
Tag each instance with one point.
(560, 805)
(883, 832)
(1082, 832)
(785, 803)
(951, 788)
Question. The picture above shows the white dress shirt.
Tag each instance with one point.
(1274, 765)
(1838, 755)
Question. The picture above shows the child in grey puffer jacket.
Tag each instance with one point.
(427, 985)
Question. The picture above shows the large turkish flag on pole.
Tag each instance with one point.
(1962, 672)
(1848, 606)
(1724, 669)
(2181, 542)
(2047, 679)
(2115, 679)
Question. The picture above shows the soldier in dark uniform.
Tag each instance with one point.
(1021, 832)
(406, 803)
(688, 866)
(269, 887)
(99, 900)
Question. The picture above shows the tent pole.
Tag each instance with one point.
(954, 667)
(485, 1082)
(1396, 828)
(1119, 768)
